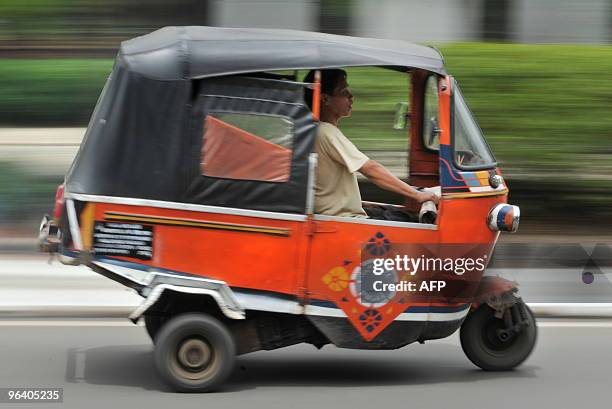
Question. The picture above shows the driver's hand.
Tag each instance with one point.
(423, 197)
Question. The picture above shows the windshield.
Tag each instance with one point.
(471, 149)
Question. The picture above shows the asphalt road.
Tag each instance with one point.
(102, 364)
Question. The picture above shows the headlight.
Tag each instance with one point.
(496, 181)
(504, 217)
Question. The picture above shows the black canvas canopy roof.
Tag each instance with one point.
(198, 52)
(146, 136)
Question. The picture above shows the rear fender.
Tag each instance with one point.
(498, 293)
(214, 290)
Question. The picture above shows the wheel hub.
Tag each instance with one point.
(194, 354)
(503, 335)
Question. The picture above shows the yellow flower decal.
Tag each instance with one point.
(407, 278)
(337, 279)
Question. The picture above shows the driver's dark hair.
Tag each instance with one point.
(330, 79)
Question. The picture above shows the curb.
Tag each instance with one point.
(571, 310)
(65, 311)
(541, 310)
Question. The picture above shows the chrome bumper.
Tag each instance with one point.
(49, 236)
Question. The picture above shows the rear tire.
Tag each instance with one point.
(487, 350)
(194, 353)
(153, 324)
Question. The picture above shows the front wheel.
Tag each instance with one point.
(194, 353)
(486, 341)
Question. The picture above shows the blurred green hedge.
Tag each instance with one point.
(50, 92)
(25, 197)
(541, 106)
(544, 109)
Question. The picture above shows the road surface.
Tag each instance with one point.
(102, 364)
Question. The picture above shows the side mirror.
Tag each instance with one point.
(431, 133)
(401, 116)
(435, 129)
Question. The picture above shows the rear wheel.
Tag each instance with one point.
(194, 353)
(153, 324)
(489, 344)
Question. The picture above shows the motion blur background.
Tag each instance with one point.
(535, 73)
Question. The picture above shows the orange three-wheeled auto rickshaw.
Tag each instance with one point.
(194, 186)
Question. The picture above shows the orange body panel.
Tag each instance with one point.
(338, 244)
(465, 220)
(240, 258)
(287, 263)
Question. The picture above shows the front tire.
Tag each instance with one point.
(483, 346)
(194, 353)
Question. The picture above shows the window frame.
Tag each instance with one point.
(423, 120)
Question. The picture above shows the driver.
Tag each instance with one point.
(336, 191)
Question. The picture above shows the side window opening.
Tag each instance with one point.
(377, 91)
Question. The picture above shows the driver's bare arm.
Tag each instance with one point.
(381, 177)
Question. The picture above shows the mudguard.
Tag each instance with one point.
(497, 292)
(217, 290)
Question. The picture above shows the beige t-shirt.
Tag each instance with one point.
(336, 190)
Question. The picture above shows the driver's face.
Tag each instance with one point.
(340, 103)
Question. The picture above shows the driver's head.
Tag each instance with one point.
(335, 94)
(331, 79)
